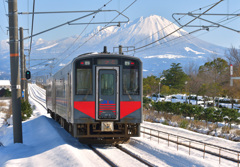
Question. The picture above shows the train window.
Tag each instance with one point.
(107, 84)
(130, 81)
(84, 81)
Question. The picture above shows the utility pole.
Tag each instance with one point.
(15, 78)
(22, 67)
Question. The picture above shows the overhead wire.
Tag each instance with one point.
(5, 11)
(6, 18)
(97, 31)
(83, 30)
(178, 28)
(171, 40)
(171, 24)
(192, 37)
(226, 18)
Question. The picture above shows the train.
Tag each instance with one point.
(97, 97)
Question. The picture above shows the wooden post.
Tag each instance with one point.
(189, 146)
(219, 155)
(204, 151)
(177, 143)
(168, 140)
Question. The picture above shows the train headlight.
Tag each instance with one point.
(86, 63)
(127, 63)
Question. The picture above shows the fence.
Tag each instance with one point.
(220, 152)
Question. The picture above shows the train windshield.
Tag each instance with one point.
(130, 81)
(84, 81)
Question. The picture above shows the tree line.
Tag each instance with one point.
(211, 79)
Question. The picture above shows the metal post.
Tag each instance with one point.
(22, 63)
(26, 82)
(120, 50)
(15, 78)
(168, 140)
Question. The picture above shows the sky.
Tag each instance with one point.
(219, 36)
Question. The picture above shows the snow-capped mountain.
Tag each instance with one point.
(179, 47)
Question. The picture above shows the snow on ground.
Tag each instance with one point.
(45, 143)
(2, 119)
(162, 155)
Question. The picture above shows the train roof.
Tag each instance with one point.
(96, 54)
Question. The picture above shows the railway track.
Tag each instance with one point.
(107, 160)
(134, 156)
(36, 98)
(115, 162)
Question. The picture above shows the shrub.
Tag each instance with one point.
(226, 129)
(176, 118)
(237, 132)
(184, 124)
(165, 122)
(26, 110)
(198, 124)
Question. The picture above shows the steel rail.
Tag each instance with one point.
(134, 156)
(35, 98)
(102, 156)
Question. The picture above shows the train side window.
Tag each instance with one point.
(131, 81)
(84, 81)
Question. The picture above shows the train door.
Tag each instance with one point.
(54, 96)
(69, 97)
(107, 93)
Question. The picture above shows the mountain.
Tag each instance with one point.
(179, 47)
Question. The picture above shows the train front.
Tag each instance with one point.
(107, 97)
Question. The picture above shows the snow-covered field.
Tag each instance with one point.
(46, 143)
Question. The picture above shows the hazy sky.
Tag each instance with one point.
(165, 8)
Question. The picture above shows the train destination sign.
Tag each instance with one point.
(107, 61)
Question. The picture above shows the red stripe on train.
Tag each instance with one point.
(128, 107)
(87, 107)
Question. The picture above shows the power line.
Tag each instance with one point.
(5, 11)
(172, 23)
(220, 21)
(83, 30)
(179, 27)
(106, 26)
(171, 40)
